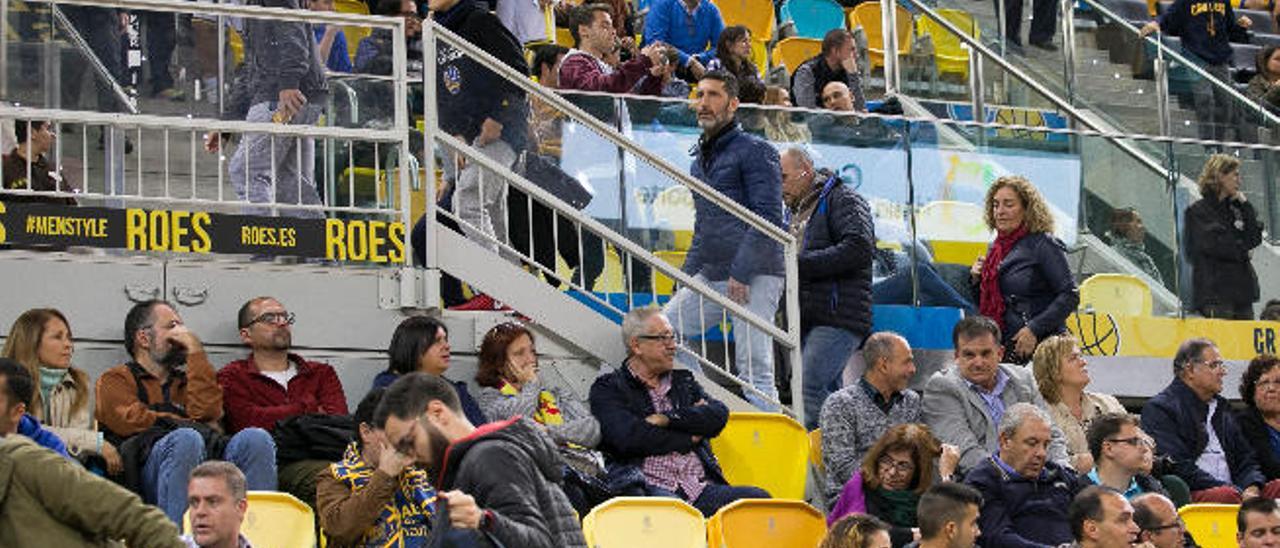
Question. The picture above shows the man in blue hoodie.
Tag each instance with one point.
(16, 389)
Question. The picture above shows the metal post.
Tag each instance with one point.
(1162, 93)
(792, 296)
(430, 127)
(1069, 47)
(4, 50)
(1000, 22)
(889, 38)
(977, 89)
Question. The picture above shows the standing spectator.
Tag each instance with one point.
(897, 469)
(857, 531)
(287, 85)
(855, 418)
(374, 494)
(1025, 493)
(1262, 87)
(838, 61)
(1258, 523)
(1222, 228)
(331, 40)
(273, 384)
(968, 400)
(734, 259)
(421, 344)
(661, 420)
(1158, 521)
(584, 68)
(102, 29)
(1260, 419)
(1207, 28)
(1121, 452)
(159, 29)
(1192, 423)
(217, 503)
(27, 167)
(1023, 282)
(503, 479)
(834, 224)
(19, 390)
(778, 126)
(733, 55)
(1101, 518)
(161, 403)
(1129, 236)
(40, 340)
(1062, 374)
(1044, 21)
(948, 516)
(691, 26)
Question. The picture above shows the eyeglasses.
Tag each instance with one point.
(274, 318)
(1177, 523)
(1214, 365)
(665, 337)
(902, 467)
(1135, 441)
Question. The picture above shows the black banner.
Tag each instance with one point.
(178, 231)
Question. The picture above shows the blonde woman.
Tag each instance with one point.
(1221, 231)
(1023, 282)
(40, 340)
(1062, 374)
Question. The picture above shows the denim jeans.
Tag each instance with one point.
(753, 349)
(480, 196)
(165, 475)
(826, 350)
(280, 169)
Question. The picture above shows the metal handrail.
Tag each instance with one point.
(238, 10)
(129, 103)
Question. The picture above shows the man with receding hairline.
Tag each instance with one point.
(1158, 521)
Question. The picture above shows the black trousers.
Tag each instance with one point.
(1044, 20)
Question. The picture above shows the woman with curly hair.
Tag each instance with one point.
(1062, 374)
(1023, 282)
(1260, 419)
(1222, 228)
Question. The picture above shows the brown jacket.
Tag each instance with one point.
(346, 515)
(46, 500)
(120, 411)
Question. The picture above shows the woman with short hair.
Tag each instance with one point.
(1221, 229)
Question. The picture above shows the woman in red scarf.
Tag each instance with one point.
(1024, 282)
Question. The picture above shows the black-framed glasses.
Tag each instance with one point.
(665, 337)
(902, 467)
(1135, 441)
(1176, 524)
(274, 318)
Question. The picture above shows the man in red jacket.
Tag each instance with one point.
(584, 67)
(273, 384)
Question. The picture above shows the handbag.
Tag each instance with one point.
(543, 171)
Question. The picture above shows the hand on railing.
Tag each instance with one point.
(1149, 28)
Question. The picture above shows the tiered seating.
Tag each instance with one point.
(813, 18)
(1118, 294)
(867, 16)
(766, 522)
(642, 522)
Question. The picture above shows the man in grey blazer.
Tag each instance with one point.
(963, 404)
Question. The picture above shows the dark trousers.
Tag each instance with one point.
(1044, 20)
(158, 31)
(1215, 107)
(1228, 311)
(100, 28)
(714, 496)
(530, 222)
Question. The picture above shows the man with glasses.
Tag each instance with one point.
(162, 410)
(273, 384)
(1158, 521)
(1194, 425)
(659, 420)
(1120, 452)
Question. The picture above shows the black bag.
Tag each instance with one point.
(543, 171)
(313, 437)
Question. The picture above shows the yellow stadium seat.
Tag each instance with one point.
(643, 522)
(236, 43)
(564, 37)
(756, 15)
(952, 252)
(766, 522)
(663, 285)
(867, 16)
(952, 221)
(1211, 525)
(767, 450)
(354, 33)
(274, 519)
(790, 52)
(1117, 294)
(815, 450)
(948, 55)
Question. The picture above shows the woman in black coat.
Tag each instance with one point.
(1023, 282)
(1260, 419)
(1221, 229)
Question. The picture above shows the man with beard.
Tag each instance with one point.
(162, 409)
(273, 384)
(499, 481)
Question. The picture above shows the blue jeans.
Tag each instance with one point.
(165, 475)
(691, 315)
(714, 496)
(826, 350)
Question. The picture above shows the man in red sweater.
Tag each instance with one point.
(273, 384)
(585, 68)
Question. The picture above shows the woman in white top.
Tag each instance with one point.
(1062, 374)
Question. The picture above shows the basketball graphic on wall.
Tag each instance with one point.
(1098, 333)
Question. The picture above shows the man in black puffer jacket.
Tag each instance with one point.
(833, 224)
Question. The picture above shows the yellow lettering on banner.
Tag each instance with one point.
(2, 232)
(199, 227)
(376, 241)
(335, 247)
(1111, 335)
(179, 231)
(396, 234)
(158, 230)
(357, 244)
(135, 229)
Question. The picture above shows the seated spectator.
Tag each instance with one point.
(46, 500)
(1062, 374)
(837, 97)
(508, 375)
(374, 52)
(733, 55)
(948, 516)
(502, 478)
(1192, 423)
(40, 340)
(1260, 419)
(421, 344)
(893, 475)
(778, 126)
(1262, 87)
(856, 417)
(374, 494)
(217, 501)
(857, 531)
(161, 404)
(1128, 236)
(968, 400)
(837, 62)
(331, 40)
(585, 67)
(1121, 453)
(545, 120)
(18, 391)
(1258, 523)
(1270, 311)
(273, 384)
(692, 27)
(1158, 521)
(1025, 493)
(27, 167)
(1101, 518)
(661, 420)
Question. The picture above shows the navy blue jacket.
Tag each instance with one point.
(620, 401)
(1038, 289)
(1019, 512)
(745, 169)
(1258, 433)
(468, 92)
(835, 261)
(469, 406)
(1175, 419)
(1191, 20)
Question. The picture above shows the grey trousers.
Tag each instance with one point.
(275, 168)
(480, 196)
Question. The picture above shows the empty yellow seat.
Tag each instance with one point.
(1117, 294)
(1211, 525)
(791, 52)
(766, 450)
(274, 519)
(751, 523)
(953, 252)
(867, 16)
(815, 450)
(949, 57)
(644, 522)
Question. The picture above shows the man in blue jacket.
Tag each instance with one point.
(1194, 425)
(692, 26)
(726, 254)
(16, 390)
